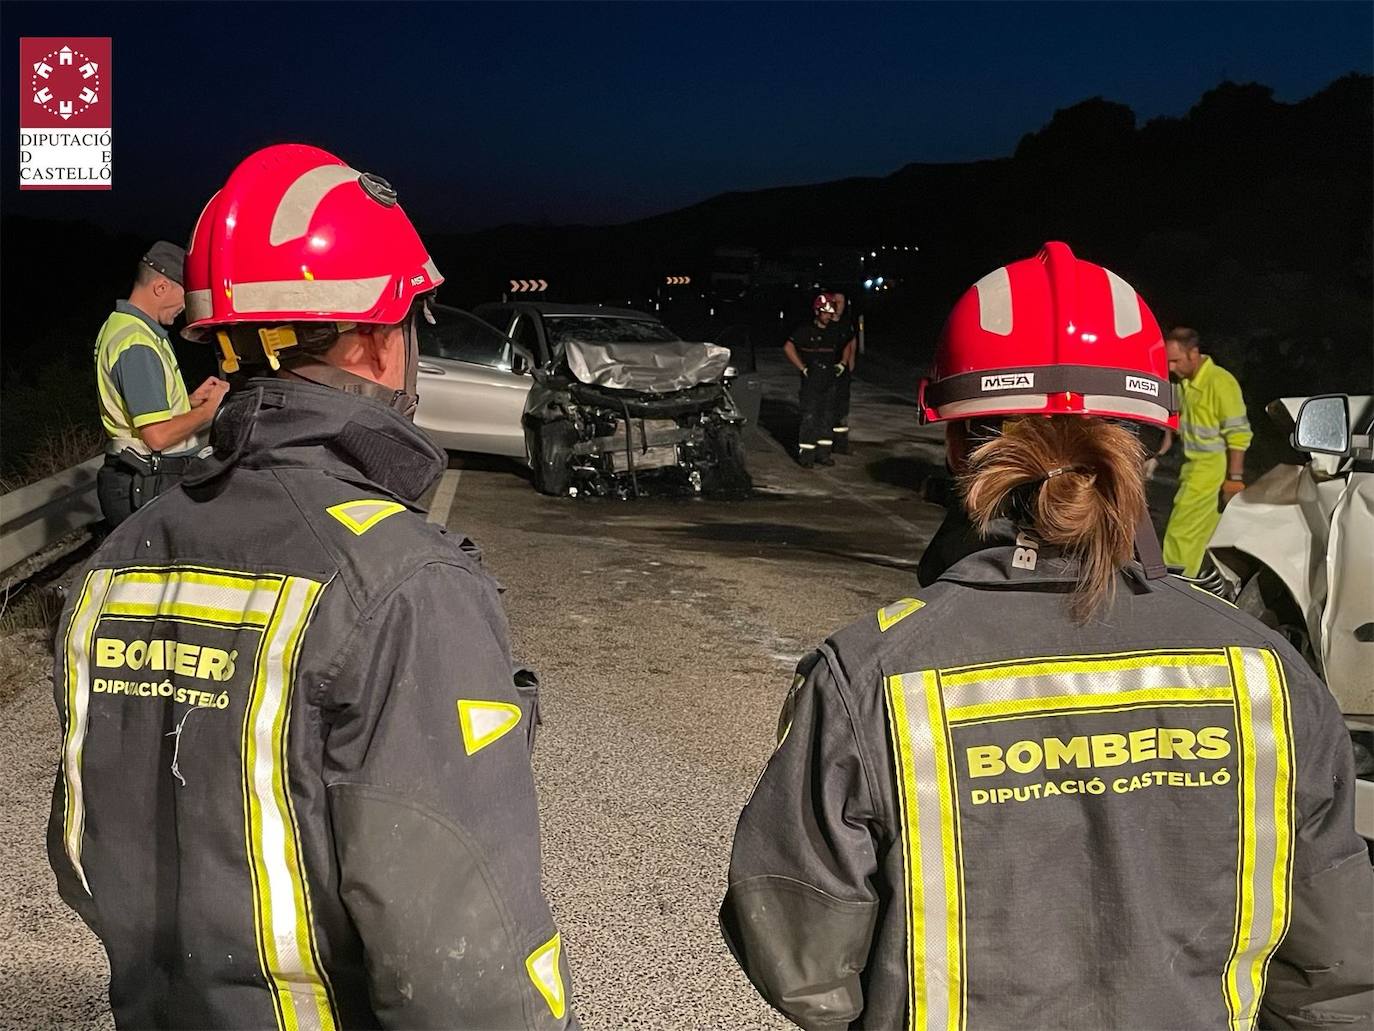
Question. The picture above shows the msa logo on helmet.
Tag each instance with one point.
(1010, 381)
(1139, 385)
(416, 280)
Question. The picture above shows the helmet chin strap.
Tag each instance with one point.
(1147, 549)
(313, 370)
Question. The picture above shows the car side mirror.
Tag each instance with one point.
(1323, 425)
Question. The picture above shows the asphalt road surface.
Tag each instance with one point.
(665, 632)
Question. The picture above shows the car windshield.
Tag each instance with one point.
(604, 329)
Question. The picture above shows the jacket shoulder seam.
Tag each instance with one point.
(841, 683)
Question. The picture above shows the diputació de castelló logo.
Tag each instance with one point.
(64, 113)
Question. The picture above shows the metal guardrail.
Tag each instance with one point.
(35, 517)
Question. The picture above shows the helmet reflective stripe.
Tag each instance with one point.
(1124, 406)
(336, 295)
(994, 302)
(989, 405)
(297, 205)
(1125, 306)
(198, 305)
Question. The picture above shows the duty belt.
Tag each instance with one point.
(151, 464)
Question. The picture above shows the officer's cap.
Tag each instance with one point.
(168, 259)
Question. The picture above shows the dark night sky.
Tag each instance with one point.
(489, 113)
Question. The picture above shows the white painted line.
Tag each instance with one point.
(443, 497)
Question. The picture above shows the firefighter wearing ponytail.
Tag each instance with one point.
(1055, 787)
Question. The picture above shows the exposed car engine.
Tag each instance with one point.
(624, 420)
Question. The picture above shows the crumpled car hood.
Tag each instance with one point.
(658, 368)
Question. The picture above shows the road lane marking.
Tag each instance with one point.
(443, 497)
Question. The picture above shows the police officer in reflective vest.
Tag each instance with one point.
(295, 786)
(155, 427)
(1056, 788)
(814, 349)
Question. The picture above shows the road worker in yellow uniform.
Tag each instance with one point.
(1215, 432)
(295, 788)
(1057, 788)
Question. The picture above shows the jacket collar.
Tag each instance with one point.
(1202, 372)
(278, 423)
(128, 308)
(999, 560)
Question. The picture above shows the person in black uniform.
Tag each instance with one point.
(295, 787)
(814, 348)
(1057, 788)
(839, 414)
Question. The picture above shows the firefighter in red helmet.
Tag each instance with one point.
(1055, 788)
(278, 805)
(814, 349)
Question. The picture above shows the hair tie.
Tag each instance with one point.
(1065, 469)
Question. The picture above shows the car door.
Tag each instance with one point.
(473, 381)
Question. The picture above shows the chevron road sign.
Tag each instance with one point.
(677, 280)
(524, 286)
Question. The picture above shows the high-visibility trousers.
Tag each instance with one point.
(1196, 512)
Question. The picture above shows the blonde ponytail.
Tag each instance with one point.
(1082, 483)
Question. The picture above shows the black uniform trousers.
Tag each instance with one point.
(128, 481)
(839, 414)
(817, 395)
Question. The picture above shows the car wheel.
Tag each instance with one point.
(551, 446)
(1266, 598)
(728, 473)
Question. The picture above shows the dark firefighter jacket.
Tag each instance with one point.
(982, 816)
(295, 788)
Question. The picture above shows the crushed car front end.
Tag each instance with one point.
(625, 421)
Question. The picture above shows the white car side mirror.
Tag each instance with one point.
(1323, 425)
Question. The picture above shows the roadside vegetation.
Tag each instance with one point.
(48, 424)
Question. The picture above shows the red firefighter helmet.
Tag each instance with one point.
(1050, 335)
(823, 303)
(297, 236)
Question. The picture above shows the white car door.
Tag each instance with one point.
(472, 385)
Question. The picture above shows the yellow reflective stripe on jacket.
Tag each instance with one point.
(283, 923)
(923, 707)
(276, 610)
(1264, 865)
(931, 852)
(76, 649)
(194, 594)
(120, 332)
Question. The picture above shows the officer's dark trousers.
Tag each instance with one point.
(127, 482)
(817, 392)
(839, 414)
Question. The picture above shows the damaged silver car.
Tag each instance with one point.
(600, 401)
(613, 418)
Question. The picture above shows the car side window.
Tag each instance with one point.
(457, 336)
(498, 315)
